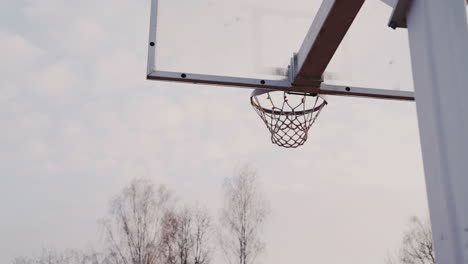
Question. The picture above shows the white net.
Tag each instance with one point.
(288, 117)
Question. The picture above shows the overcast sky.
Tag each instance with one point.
(79, 121)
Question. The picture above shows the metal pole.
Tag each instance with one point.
(438, 38)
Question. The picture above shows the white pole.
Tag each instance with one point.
(438, 36)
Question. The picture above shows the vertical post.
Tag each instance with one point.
(438, 36)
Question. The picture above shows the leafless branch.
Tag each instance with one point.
(185, 237)
(242, 218)
(133, 228)
(416, 247)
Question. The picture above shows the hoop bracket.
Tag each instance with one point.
(398, 18)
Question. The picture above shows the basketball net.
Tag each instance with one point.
(288, 117)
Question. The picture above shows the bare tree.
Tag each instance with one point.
(134, 227)
(23, 260)
(167, 244)
(49, 256)
(416, 246)
(143, 227)
(242, 217)
(69, 256)
(94, 257)
(185, 238)
(201, 236)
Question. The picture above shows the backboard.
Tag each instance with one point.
(268, 44)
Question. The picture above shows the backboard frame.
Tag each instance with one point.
(302, 65)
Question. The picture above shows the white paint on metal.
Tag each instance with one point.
(366, 92)
(391, 3)
(329, 27)
(282, 85)
(312, 86)
(399, 14)
(317, 25)
(219, 80)
(438, 37)
(152, 37)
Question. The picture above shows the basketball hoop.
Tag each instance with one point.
(287, 116)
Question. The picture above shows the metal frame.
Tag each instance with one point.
(151, 64)
(400, 11)
(281, 85)
(328, 29)
(438, 37)
(331, 13)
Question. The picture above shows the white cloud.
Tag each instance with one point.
(54, 80)
(17, 52)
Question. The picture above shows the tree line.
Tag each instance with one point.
(147, 225)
